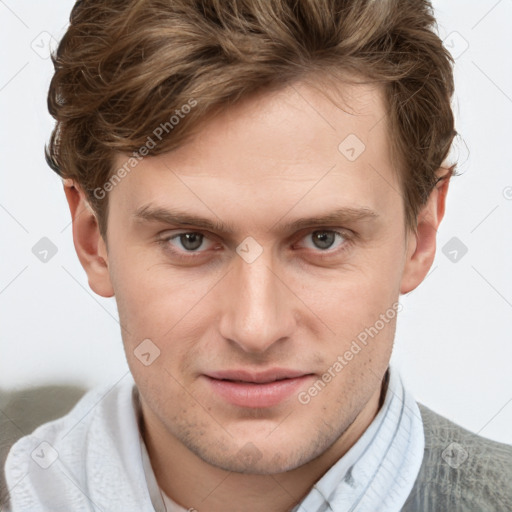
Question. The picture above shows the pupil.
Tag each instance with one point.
(325, 239)
(191, 241)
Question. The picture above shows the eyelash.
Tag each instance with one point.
(348, 237)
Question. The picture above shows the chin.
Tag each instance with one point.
(268, 460)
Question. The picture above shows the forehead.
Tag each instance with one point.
(303, 145)
(297, 123)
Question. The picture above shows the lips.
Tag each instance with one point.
(257, 377)
(244, 388)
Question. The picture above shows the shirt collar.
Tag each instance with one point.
(379, 470)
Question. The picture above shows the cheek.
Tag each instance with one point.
(151, 294)
(363, 290)
(361, 306)
(169, 308)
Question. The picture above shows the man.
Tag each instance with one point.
(256, 183)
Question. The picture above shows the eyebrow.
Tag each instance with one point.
(151, 213)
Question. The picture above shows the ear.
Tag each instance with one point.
(89, 244)
(421, 245)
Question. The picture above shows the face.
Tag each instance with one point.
(298, 249)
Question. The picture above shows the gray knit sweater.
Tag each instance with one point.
(461, 471)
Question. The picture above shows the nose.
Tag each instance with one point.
(258, 309)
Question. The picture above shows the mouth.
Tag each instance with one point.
(257, 390)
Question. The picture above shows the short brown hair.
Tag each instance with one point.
(126, 67)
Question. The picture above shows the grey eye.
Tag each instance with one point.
(323, 239)
(191, 241)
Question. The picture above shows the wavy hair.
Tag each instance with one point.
(125, 67)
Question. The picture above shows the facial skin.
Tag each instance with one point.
(256, 167)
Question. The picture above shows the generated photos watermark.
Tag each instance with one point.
(137, 156)
(356, 346)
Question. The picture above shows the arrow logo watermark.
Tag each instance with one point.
(44, 455)
(249, 250)
(44, 250)
(454, 455)
(456, 44)
(455, 249)
(147, 352)
(352, 147)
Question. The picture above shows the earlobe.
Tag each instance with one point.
(89, 244)
(421, 245)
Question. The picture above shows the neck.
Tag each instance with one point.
(194, 484)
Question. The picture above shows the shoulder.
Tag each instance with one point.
(35, 462)
(461, 471)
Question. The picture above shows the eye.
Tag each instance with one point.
(325, 239)
(188, 242)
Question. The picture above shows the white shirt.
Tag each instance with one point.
(94, 459)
